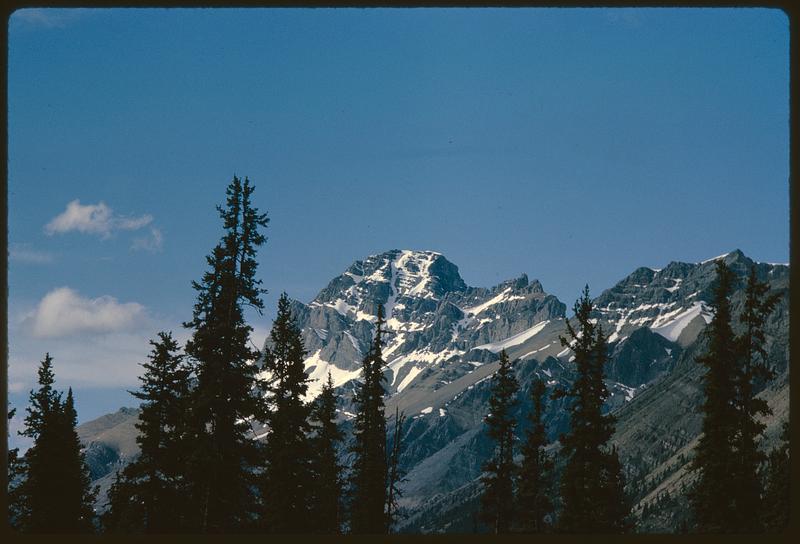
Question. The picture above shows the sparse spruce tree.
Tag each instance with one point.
(287, 483)
(227, 396)
(753, 370)
(368, 478)
(54, 494)
(775, 511)
(497, 501)
(533, 495)
(149, 496)
(591, 476)
(326, 504)
(396, 475)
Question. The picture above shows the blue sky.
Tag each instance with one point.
(572, 145)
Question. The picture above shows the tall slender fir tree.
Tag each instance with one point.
(534, 505)
(149, 496)
(368, 478)
(713, 495)
(752, 370)
(591, 482)
(76, 510)
(227, 396)
(395, 475)
(326, 504)
(497, 501)
(287, 483)
(54, 494)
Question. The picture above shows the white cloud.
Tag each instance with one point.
(93, 219)
(154, 242)
(64, 312)
(23, 253)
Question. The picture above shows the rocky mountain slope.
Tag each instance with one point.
(442, 345)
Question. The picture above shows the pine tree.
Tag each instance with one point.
(368, 478)
(497, 501)
(713, 495)
(149, 495)
(287, 483)
(227, 395)
(592, 475)
(533, 498)
(54, 495)
(326, 504)
(753, 369)
(775, 511)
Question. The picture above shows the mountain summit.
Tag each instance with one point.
(432, 317)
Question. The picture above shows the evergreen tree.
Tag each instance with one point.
(713, 496)
(368, 478)
(497, 501)
(396, 474)
(149, 495)
(16, 471)
(326, 511)
(615, 503)
(126, 508)
(227, 395)
(76, 497)
(287, 483)
(533, 498)
(591, 476)
(54, 494)
(753, 370)
(775, 511)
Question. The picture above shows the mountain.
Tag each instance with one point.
(442, 344)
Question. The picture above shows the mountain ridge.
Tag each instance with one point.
(443, 342)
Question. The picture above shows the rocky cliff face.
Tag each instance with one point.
(442, 347)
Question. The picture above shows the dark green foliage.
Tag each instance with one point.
(150, 495)
(396, 474)
(533, 496)
(76, 496)
(712, 497)
(591, 476)
(287, 484)
(16, 471)
(326, 504)
(54, 494)
(368, 479)
(727, 496)
(775, 511)
(615, 502)
(752, 370)
(227, 396)
(497, 501)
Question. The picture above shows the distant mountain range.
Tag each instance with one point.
(443, 344)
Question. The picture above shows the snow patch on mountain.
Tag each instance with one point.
(502, 297)
(519, 338)
(318, 374)
(671, 325)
